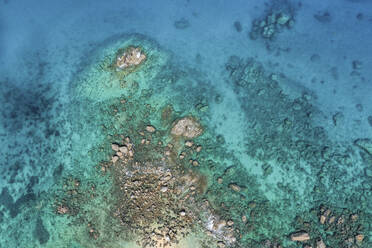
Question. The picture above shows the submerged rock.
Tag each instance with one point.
(357, 65)
(182, 23)
(238, 26)
(365, 144)
(40, 232)
(272, 23)
(370, 120)
(283, 19)
(324, 17)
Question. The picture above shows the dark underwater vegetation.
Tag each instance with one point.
(186, 124)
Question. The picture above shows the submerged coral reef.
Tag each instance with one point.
(149, 170)
(279, 14)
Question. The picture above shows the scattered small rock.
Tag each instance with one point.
(189, 143)
(198, 148)
(150, 129)
(359, 238)
(182, 155)
(234, 187)
(354, 217)
(300, 236)
(322, 219)
(244, 218)
(331, 220)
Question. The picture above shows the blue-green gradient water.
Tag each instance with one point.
(248, 124)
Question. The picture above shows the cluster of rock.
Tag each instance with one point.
(271, 25)
(124, 152)
(220, 229)
(71, 197)
(281, 131)
(132, 56)
(345, 229)
(161, 200)
(152, 204)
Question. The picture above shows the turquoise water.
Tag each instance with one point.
(277, 150)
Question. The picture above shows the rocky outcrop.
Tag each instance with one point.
(187, 127)
(132, 56)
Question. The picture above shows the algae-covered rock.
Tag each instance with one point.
(365, 144)
(187, 127)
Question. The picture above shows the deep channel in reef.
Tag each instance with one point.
(150, 170)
